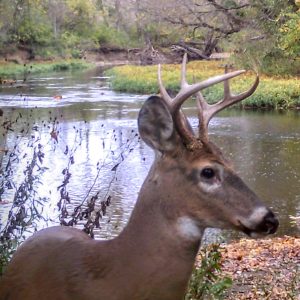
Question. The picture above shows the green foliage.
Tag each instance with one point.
(69, 39)
(163, 35)
(267, 38)
(54, 28)
(280, 65)
(81, 16)
(264, 58)
(33, 30)
(11, 70)
(273, 92)
(7, 249)
(108, 36)
(270, 44)
(289, 40)
(206, 280)
(73, 45)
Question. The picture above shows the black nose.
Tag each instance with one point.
(269, 224)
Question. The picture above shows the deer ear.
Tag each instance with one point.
(156, 125)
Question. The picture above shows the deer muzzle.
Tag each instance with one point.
(259, 223)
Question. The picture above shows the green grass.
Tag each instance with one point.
(207, 280)
(10, 70)
(273, 92)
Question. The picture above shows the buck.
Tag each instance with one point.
(190, 186)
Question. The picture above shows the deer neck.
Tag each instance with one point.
(160, 238)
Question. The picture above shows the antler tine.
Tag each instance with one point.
(226, 83)
(181, 121)
(188, 90)
(202, 106)
(165, 96)
(183, 72)
(229, 99)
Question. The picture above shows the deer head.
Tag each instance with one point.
(209, 192)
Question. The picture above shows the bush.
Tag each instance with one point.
(281, 66)
(110, 37)
(69, 39)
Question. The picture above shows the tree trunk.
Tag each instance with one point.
(118, 14)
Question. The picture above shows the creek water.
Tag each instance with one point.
(79, 123)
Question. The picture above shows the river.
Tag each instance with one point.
(79, 123)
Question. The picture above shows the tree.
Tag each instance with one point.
(264, 43)
(253, 27)
(289, 40)
(205, 22)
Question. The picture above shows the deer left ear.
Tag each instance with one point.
(156, 125)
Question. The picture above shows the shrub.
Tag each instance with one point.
(110, 37)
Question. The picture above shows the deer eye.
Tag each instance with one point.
(208, 173)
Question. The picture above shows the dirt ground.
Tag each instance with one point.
(263, 269)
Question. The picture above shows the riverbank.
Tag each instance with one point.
(272, 92)
(10, 71)
(127, 75)
(18, 63)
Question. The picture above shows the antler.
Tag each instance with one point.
(206, 111)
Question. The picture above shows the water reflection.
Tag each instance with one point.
(94, 123)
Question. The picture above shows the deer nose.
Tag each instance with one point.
(269, 223)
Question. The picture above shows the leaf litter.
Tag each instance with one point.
(263, 269)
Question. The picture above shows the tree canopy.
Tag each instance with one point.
(255, 30)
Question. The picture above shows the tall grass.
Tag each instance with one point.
(273, 92)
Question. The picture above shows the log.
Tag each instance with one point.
(191, 51)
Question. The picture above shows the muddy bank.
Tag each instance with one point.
(104, 56)
(115, 56)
